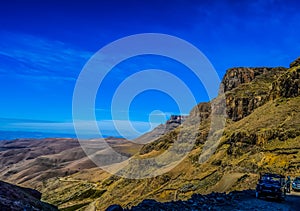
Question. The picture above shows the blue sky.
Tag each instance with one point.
(45, 44)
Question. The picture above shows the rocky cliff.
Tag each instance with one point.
(295, 63)
(288, 84)
(157, 132)
(247, 89)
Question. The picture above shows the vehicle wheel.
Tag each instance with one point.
(257, 195)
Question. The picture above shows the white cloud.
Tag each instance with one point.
(31, 56)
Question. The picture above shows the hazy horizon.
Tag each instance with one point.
(45, 45)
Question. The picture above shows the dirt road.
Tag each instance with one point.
(291, 203)
(294, 201)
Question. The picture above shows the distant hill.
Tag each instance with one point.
(11, 135)
(262, 134)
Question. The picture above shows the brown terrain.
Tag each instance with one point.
(31, 162)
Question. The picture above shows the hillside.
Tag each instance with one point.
(262, 134)
(31, 162)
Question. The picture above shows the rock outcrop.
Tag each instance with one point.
(157, 132)
(236, 200)
(295, 63)
(288, 85)
(202, 110)
(14, 198)
(247, 89)
(240, 75)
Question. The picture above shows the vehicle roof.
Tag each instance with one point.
(273, 175)
(297, 178)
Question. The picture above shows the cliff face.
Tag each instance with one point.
(203, 110)
(169, 131)
(247, 89)
(241, 75)
(288, 84)
(157, 132)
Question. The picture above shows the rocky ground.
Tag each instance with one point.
(234, 201)
(15, 198)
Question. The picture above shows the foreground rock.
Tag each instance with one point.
(17, 198)
(237, 200)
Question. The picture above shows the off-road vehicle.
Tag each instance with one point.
(296, 184)
(271, 185)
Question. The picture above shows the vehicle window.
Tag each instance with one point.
(273, 180)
